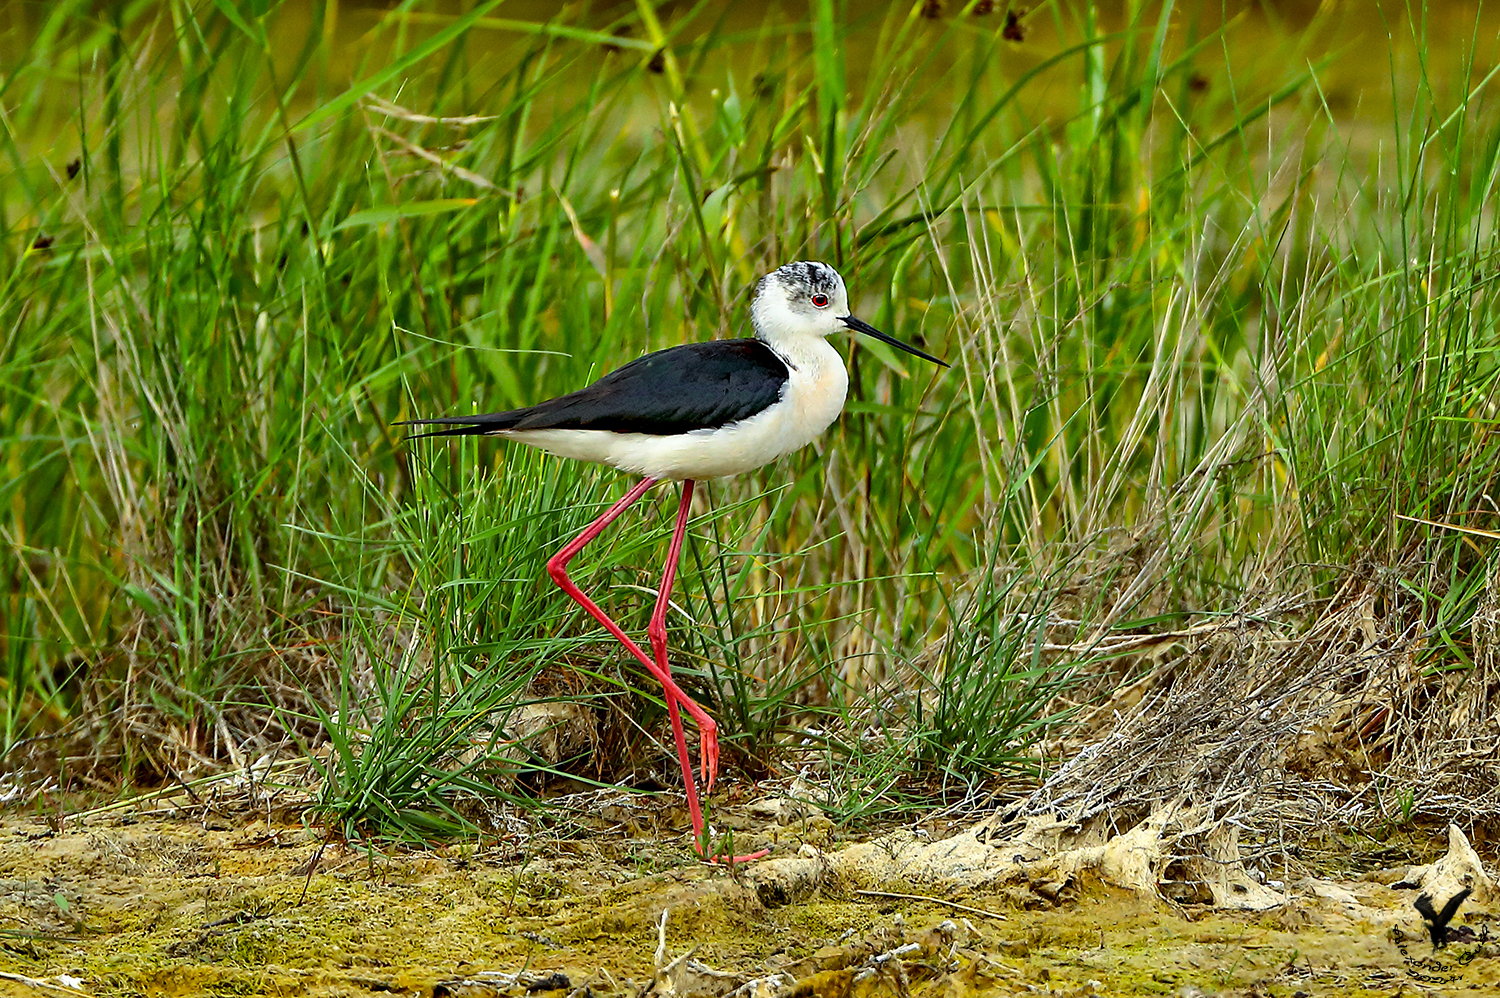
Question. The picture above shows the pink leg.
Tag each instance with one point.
(557, 567)
(658, 634)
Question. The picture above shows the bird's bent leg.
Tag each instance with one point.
(557, 565)
(557, 568)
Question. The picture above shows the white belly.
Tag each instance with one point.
(812, 398)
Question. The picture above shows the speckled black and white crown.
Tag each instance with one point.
(800, 279)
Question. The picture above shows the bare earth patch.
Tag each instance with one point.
(163, 906)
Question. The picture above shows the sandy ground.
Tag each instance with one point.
(132, 905)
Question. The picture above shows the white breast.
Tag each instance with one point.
(812, 398)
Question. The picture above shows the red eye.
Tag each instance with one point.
(820, 300)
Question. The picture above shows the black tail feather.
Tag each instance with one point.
(465, 426)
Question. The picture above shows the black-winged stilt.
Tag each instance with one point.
(702, 410)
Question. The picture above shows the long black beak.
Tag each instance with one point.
(869, 330)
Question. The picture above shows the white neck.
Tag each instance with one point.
(811, 356)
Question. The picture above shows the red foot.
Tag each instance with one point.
(732, 860)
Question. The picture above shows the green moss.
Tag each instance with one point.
(408, 922)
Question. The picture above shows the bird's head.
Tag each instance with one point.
(808, 298)
(800, 299)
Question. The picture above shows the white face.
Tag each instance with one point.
(805, 298)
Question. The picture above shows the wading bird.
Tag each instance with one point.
(702, 410)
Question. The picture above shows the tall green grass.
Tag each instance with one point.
(1218, 320)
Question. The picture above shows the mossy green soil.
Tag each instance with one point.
(170, 906)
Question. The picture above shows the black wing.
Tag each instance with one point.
(1423, 904)
(700, 385)
(1451, 908)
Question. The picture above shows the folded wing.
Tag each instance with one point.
(692, 387)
